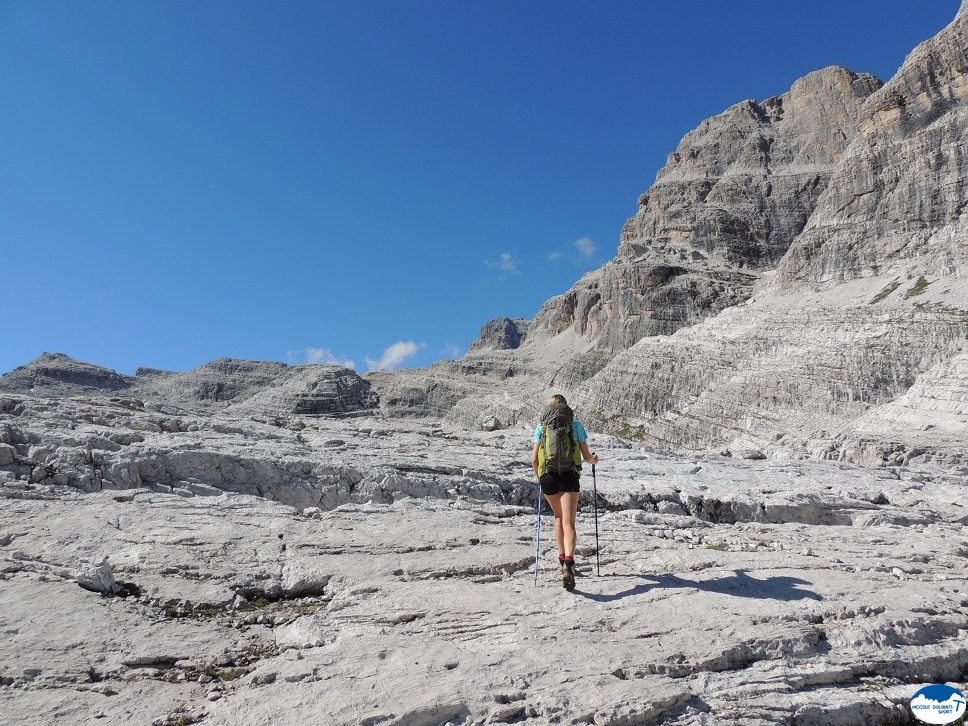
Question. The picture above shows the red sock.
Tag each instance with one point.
(568, 558)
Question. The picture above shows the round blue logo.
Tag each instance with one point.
(938, 704)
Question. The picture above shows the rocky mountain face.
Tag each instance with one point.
(501, 334)
(898, 197)
(868, 305)
(266, 389)
(729, 202)
(798, 264)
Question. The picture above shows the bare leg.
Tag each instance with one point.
(569, 511)
(554, 501)
(565, 508)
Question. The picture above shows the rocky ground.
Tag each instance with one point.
(394, 583)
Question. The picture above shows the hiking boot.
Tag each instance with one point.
(568, 574)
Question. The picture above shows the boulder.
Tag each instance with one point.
(96, 576)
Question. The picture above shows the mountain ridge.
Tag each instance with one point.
(255, 542)
(813, 243)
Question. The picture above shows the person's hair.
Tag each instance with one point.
(558, 398)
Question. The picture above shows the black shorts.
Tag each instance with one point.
(552, 483)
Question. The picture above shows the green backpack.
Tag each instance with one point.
(558, 452)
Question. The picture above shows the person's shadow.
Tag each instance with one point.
(739, 584)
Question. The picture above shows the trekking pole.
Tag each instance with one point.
(598, 564)
(537, 538)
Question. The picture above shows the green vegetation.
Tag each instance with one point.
(919, 287)
(176, 611)
(885, 292)
(619, 426)
(956, 315)
(876, 684)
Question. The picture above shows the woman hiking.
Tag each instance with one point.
(560, 445)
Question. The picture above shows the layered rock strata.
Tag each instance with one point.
(501, 334)
(899, 194)
(805, 365)
(252, 388)
(731, 591)
(788, 375)
(794, 361)
(729, 202)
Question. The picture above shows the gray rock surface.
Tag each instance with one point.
(898, 196)
(796, 376)
(811, 366)
(270, 388)
(730, 201)
(797, 265)
(501, 334)
(731, 590)
(56, 373)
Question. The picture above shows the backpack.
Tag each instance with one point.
(558, 452)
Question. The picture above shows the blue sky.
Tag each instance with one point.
(366, 181)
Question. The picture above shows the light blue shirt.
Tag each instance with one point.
(580, 434)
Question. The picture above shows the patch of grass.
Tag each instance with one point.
(620, 427)
(308, 606)
(175, 612)
(919, 287)
(891, 287)
(875, 685)
(258, 651)
(955, 314)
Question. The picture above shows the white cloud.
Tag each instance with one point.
(454, 351)
(319, 355)
(585, 246)
(505, 263)
(586, 250)
(394, 355)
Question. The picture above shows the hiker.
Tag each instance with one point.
(560, 445)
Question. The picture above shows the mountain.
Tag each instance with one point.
(867, 306)
(253, 543)
(257, 388)
(793, 283)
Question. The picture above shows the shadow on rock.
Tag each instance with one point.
(738, 584)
